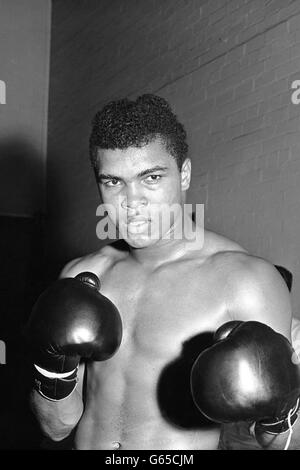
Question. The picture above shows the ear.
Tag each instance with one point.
(186, 174)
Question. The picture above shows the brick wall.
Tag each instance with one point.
(226, 66)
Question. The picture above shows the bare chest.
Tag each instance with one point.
(168, 318)
(162, 310)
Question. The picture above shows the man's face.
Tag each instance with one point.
(138, 185)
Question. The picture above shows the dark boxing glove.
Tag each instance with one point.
(70, 320)
(248, 375)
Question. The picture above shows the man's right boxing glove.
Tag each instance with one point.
(69, 321)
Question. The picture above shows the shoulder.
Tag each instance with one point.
(231, 258)
(255, 290)
(217, 244)
(249, 271)
(97, 262)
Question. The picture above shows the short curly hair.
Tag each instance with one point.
(125, 123)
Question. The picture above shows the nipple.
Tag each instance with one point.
(116, 445)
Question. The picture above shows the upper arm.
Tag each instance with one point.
(258, 293)
(71, 269)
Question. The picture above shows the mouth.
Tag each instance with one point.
(137, 221)
(135, 224)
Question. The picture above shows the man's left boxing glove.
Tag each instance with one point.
(248, 375)
(69, 321)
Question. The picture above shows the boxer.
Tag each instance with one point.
(172, 294)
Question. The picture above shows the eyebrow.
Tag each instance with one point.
(106, 176)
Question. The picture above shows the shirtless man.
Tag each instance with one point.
(170, 293)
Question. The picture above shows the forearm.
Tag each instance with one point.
(274, 442)
(57, 418)
(289, 440)
(241, 436)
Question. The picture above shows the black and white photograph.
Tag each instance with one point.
(150, 227)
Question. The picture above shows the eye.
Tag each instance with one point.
(111, 183)
(153, 179)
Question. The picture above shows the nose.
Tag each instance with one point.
(133, 198)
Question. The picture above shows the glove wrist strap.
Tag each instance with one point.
(55, 388)
(283, 425)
